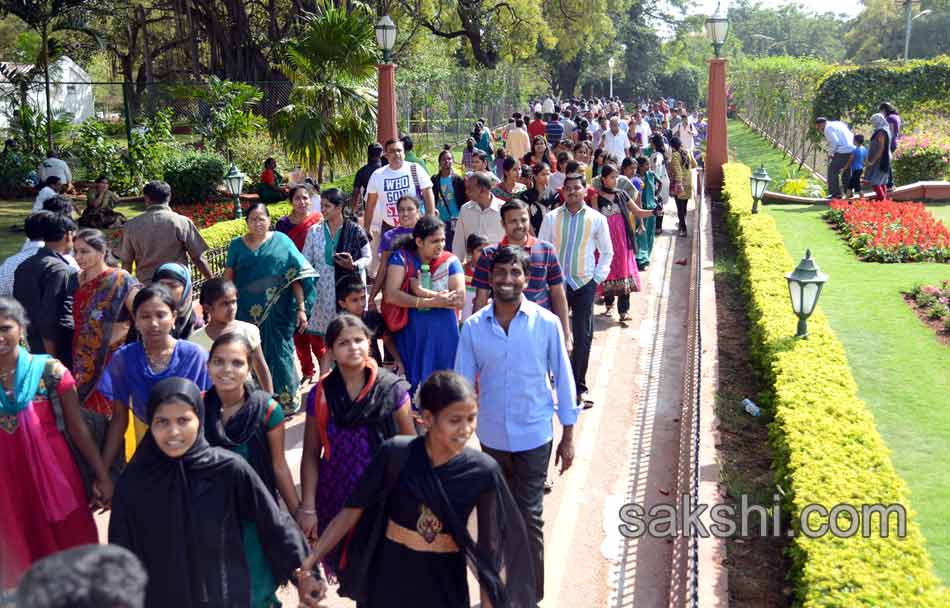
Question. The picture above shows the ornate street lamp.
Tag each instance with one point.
(386, 36)
(717, 26)
(804, 287)
(759, 181)
(234, 180)
(386, 96)
(611, 63)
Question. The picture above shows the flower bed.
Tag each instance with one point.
(932, 304)
(886, 231)
(826, 447)
(208, 213)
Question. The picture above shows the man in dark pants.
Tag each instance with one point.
(577, 232)
(840, 146)
(515, 348)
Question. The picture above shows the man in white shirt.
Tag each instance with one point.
(518, 143)
(51, 189)
(686, 132)
(614, 142)
(548, 106)
(840, 146)
(390, 183)
(577, 232)
(54, 166)
(481, 215)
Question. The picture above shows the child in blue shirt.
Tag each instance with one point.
(858, 157)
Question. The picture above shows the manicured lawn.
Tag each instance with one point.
(14, 212)
(749, 145)
(903, 373)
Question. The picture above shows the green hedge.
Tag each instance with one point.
(853, 93)
(222, 233)
(826, 447)
(194, 176)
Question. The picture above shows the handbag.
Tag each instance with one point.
(394, 316)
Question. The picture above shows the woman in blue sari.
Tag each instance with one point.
(428, 341)
(276, 288)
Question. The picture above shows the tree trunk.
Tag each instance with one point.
(49, 111)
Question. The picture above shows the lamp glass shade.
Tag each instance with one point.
(611, 63)
(386, 33)
(804, 286)
(717, 26)
(760, 181)
(234, 180)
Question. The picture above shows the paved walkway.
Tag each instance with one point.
(626, 448)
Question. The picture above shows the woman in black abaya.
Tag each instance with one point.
(179, 506)
(410, 545)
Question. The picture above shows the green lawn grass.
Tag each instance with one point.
(902, 371)
(14, 213)
(748, 144)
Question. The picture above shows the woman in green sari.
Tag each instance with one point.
(646, 236)
(276, 288)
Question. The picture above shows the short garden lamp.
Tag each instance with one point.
(386, 36)
(717, 26)
(234, 180)
(760, 181)
(804, 286)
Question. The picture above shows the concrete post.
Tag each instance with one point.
(717, 142)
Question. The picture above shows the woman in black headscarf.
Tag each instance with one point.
(410, 545)
(179, 506)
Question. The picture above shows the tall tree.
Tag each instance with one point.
(332, 113)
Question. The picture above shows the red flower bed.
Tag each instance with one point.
(887, 231)
(208, 213)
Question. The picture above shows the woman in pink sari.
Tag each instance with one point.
(43, 503)
(296, 226)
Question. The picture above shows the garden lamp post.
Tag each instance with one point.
(759, 180)
(717, 26)
(804, 287)
(610, 64)
(386, 115)
(234, 180)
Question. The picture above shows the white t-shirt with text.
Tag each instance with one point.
(389, 185)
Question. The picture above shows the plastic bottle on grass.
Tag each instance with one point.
(751, 408)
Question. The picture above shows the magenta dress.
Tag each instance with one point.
(43, 504)
(624, 277)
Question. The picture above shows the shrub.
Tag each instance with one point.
(194, 176)
(826, 447)
(922, 158)
(221, 234)
(938, 310)
(99, 155)
(249, 153)
(885, 231)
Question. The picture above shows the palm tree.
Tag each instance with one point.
(331, 116)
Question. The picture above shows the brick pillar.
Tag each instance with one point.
(717, 141)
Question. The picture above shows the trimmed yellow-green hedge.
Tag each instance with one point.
(826, 448)
(221, 234)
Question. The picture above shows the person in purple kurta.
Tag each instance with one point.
(350, 412)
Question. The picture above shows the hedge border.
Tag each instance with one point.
(826, 447)
(221, 234)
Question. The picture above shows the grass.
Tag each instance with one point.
(750, 145)
(902, 371)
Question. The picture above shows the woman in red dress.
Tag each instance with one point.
(43, 503)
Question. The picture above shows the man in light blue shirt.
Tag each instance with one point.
(840, 146)
(513, 348)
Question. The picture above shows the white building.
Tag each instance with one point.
(70, 91)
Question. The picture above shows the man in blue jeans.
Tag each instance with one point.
(514, 348)
(577, 232)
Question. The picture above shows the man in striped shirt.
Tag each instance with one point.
(577, 232)
(545, 285)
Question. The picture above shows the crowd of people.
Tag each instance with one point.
(431, 309)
